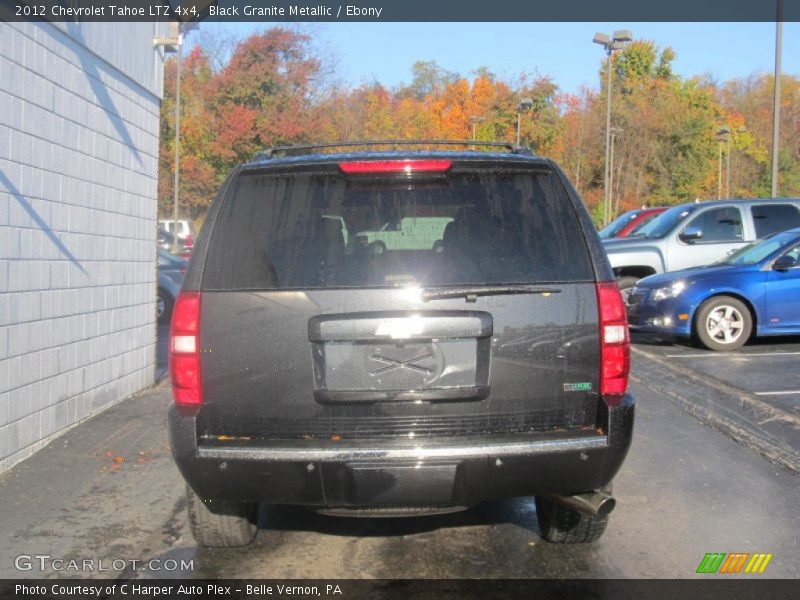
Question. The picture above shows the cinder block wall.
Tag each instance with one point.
(79, 125)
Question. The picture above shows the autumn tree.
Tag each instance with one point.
(200, 177)
(273, 88)
(266, 94)
(748, 104)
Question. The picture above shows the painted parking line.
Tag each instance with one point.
(786, 393)
(728, 355)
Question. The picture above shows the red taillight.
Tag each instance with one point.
(184, 349)
(395, 166)
(615, 346)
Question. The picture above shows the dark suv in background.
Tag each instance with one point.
(311, 368)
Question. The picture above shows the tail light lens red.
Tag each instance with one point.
(615, 345)
(184, 349)
(395, 166)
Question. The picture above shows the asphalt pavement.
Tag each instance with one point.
(752, 395)
(765, 367)
(108, 489)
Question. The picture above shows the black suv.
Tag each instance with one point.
(399, 333)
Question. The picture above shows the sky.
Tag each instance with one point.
(385, 52)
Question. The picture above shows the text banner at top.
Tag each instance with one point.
(402, 10)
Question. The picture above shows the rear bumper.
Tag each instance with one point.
(443, 471)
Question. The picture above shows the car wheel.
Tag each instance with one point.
(378, 248)
(723, 324)
(625, 286)
(221, 524)
(563, 524)
(164, 304)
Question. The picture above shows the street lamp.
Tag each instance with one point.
(741, 129)
(525, 104)
(723, 137)
(474, 122)
(174, 43)
(776, 101)
(615, 131)
(611, 44)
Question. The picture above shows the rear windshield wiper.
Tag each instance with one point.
(471, 293)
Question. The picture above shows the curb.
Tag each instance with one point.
(771, 432)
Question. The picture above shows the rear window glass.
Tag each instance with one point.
(301, 231)
(771, 218)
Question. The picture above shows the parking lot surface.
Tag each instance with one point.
(766, 367)
(109, 489)
(750, 395)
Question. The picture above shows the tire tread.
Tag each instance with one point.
(562, 524)
(221, 524)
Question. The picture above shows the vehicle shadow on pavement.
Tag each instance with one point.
(517, 511)
(650, 339)
(771, 341)
(459, 544)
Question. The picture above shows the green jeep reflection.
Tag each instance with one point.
(411, 233)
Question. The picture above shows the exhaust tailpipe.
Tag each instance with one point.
(594, 504)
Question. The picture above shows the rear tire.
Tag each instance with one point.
(164, 305)
(221, 524)
(723, 324)
(626, 285)
(561, 524)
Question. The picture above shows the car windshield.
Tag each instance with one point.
(665, 222)
(640, 225)
(612, 229)
(754, 253)
(326, 230)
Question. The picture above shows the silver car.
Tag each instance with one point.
(696, 234)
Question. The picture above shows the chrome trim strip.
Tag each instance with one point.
(318, 454)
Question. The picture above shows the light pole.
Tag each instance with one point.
(474, 121)
(723, 136)
(728, 169)
(611, 44)
(525, 104)
(615, 131)
(741, 129)
(176, 184)
(776, 110)
(174, 43)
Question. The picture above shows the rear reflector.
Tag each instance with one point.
(614, 342)
(395, 166)
(184, 350)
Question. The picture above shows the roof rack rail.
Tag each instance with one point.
(292, 150)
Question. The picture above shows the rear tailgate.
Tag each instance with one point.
(271, 367)
(304, 336)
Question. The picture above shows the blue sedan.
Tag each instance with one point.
(755, 290)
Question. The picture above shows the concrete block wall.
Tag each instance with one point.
(78, 173)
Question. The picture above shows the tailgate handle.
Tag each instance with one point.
(399, 325)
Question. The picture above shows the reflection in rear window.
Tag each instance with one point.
(301, 231)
